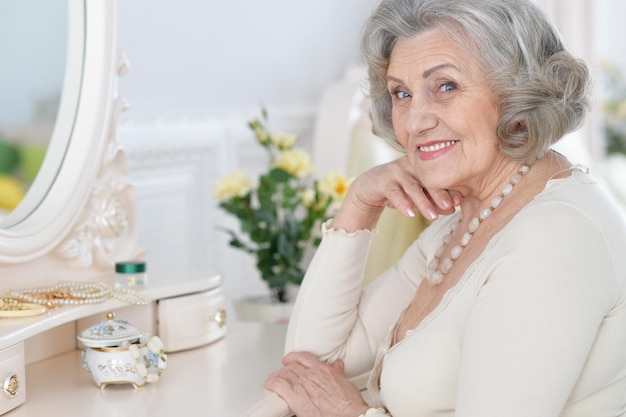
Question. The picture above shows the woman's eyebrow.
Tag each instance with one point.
(427, 73)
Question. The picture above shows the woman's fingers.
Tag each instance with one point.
(409, 196)
(306, 359)
(396, 185)
(312, 387)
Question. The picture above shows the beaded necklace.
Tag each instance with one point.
(438, 269)
(71, 293)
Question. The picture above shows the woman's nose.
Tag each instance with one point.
(421, 117)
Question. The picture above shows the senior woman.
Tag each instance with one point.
(512, 304)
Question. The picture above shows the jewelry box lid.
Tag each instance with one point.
(109, 333)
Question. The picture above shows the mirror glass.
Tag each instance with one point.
(41, 43)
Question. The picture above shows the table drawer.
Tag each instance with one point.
(193, 320)
(12, 377)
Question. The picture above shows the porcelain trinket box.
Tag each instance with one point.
(118, 353)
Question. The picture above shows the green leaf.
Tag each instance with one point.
(289, 192)
(279, 175)
(286, 248)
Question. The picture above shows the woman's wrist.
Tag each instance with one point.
(352, 218)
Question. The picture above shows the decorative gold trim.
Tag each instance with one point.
(117, 349)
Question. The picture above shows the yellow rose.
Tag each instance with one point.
(259, 131)
(297, 162)
(235, 184)
(307, 197)
(335, 185)
(284, 141)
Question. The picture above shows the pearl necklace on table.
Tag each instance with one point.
(436, 269)
(72, 293)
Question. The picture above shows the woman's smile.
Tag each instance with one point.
(433, 150)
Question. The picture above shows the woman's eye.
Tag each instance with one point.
(401, 94)
(449, 86)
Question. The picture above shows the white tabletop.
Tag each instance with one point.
(219, 380)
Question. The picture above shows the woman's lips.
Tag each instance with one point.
(434, 150)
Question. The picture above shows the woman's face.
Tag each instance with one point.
(444, 113)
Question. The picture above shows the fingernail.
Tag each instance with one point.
(457, 200)
(431, 214)
(410, 212)
(445, 203)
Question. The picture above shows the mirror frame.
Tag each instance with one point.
(86, 219)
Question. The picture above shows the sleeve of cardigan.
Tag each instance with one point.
(334, 317)
(536, 316)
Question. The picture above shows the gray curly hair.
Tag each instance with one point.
(543, 89)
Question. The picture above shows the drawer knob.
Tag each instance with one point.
(220, 318)
(11, 385)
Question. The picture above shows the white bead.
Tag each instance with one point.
(516, 178)
(507, 189)
(484, 213)
(465, 240)
(435, 278)
(456, 252)
(446, 265)
(524, 169)
(473, 225)
(496, 202)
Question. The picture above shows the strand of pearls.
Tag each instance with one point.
(438, 269)
(72, 293)
(129, 296)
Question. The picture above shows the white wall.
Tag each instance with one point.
(210, 58)
(199, 71)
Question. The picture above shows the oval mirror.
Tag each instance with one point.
(77, 137)
(34, 41)
(43, 40)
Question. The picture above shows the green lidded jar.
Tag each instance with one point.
(130, 274)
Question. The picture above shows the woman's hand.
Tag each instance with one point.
(394, 184)
(313, 388)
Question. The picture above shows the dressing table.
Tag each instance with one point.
(76, 221)
(221, 379)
